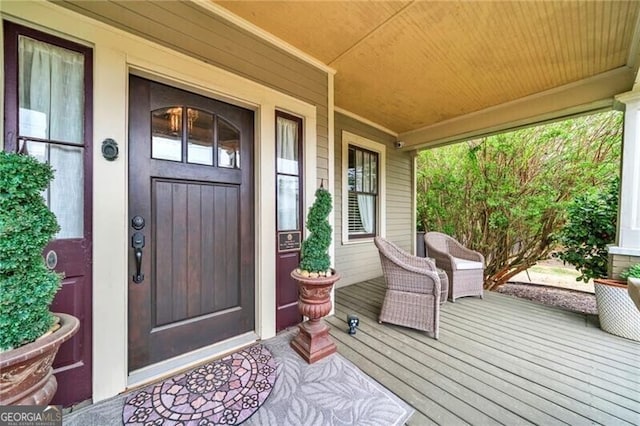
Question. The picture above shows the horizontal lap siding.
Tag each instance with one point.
(194, 31)
(358, 262)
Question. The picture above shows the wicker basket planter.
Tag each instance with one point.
(617, 312)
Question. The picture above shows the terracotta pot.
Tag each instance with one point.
(617, 313)
(27, 376)
(314, 302)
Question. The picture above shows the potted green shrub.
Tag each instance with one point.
(29, 334)
(315, 280)
(590, 228)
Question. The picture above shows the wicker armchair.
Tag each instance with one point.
(415, 289)
(464, 267)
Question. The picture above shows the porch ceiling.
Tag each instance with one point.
(438, 71)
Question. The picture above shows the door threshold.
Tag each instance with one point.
(171, 366)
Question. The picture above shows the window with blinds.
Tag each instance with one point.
(362, 184)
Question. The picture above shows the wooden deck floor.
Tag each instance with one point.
(499, 360)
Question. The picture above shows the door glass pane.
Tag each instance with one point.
(200, 143)
(51, 91)
(65, 195)
(166, 134)
(288, 203)
(228, 145)
(287, 146)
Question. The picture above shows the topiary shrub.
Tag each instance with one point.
(27, 287)
(590, 227)
(315, 249)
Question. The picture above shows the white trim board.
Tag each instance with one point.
(264, 35)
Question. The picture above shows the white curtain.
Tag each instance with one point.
(366, 207)
(51, 83)
(287, 146)
(287, 161)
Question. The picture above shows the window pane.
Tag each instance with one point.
(228, 145)
(287, 146)
(355, 225)
(366, 174)
(288, 203)
(374, 173)
(362, 182)
(51, 91)
(65, 195)
(358, 170)
(351, 171)
(166, 134)
(367, 211)
(200, 143)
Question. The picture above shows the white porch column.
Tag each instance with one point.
(627, 248)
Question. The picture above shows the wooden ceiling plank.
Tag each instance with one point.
(426, 62)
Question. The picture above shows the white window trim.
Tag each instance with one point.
(349, 138)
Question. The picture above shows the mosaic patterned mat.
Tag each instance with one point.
(226, 391)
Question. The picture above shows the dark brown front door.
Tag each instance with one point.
(289, 222)
(48, 114)
(191, 197)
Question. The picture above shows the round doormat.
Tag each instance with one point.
(226, 391)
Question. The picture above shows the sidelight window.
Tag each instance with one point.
(48, 121)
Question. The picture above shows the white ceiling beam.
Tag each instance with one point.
(591, 94)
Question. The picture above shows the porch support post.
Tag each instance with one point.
(626, 251)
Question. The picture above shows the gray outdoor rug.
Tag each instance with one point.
(330, 392)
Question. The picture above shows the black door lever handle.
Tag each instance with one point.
(137, 242)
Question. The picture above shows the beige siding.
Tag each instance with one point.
(360, 261)
(194, 31)
(619, 263)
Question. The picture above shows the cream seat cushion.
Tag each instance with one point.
(464, 264)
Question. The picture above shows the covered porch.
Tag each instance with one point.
(499, 360)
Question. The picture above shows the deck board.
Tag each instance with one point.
(499, 360)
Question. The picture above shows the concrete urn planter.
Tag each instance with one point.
(617, 312)
(27, 376)
(312, 342)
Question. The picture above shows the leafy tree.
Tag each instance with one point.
(591, 225)
(506, 195)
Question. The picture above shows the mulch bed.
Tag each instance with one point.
(576, 301)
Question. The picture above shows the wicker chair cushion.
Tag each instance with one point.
(463, 264)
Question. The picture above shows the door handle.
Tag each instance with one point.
(137, 242)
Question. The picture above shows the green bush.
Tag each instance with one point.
(314, 253)
(631, 272)
(506, 195)
(27, 287)
(590, 227)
